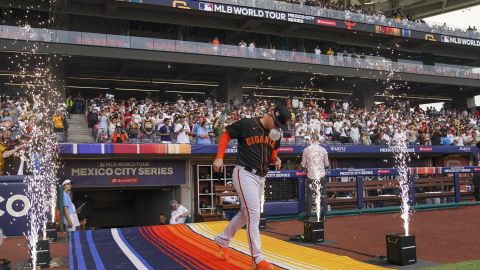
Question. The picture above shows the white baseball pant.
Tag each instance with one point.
(250, 190)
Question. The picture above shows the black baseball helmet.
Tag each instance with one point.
(281, 115)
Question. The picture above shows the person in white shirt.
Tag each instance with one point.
(315, 161)
(345, 106)
(179, 213)
(355, 134)
(295, 102)
(182, 130)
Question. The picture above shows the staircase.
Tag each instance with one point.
(78, 131)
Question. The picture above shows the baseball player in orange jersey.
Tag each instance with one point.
(258, 143)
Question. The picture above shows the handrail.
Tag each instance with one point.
(155, 44)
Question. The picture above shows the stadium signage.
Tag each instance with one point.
(320, 21)
(14, 205)
(115, 173)
(461, 41)
(305, 19)
(255, 12)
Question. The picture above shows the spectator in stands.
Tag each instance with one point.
(58, 122)
(412, 135)
(12, 110)
(202, 133)
(4, 143)
(70, 105)
(215, 44)
(163, 219)
(182, 130)
(103, 124)
(147, 127)
(251, 50)
(119, 136)
(16, 157)
(133, 129)
(92, 118)
(366, 139)
(318, 53)
(166, 131)
(179, 213)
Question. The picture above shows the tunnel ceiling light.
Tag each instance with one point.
(186, 92)
(87, 87)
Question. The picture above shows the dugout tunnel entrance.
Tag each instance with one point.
(126, 207)
(126, 192)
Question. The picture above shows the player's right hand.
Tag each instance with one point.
(218, 165)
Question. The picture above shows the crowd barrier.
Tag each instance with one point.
(451, 183)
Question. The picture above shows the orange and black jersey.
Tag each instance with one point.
(255, 147)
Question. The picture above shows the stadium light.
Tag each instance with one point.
(308, 90)
(273, 96)
(137, 89)
(87, 87)
(25, 84)
(417, 97)
(172, 82)
(187, 83)
(20, 75)
(186, 92)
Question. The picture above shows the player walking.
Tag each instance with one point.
(258, 143)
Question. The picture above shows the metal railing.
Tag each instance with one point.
(165, 45)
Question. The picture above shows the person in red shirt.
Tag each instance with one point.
(119, 136)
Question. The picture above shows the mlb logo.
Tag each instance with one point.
(206, 6)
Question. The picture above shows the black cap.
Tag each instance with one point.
(281, 116)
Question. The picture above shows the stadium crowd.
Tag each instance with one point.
(15, 126)
(190, 121)
(194, 122)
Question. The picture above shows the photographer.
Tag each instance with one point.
(119, 136)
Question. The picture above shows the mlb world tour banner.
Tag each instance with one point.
(305, 19)
(125, 173)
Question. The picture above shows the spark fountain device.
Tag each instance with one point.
(313, 229)
(401, 247)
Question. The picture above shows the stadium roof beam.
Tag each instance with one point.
(428, 8)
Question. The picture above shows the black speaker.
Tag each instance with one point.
(51, 231)
(401, 249)
(313, 231)
(43, 258)
(43, 253)
(43, 245)
(263, 221)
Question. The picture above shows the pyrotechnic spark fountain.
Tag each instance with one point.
(35, 71)
(314, 159)
(402, 157)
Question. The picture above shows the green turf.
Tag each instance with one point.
(468, 265)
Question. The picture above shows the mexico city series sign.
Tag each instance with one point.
(117, 173)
